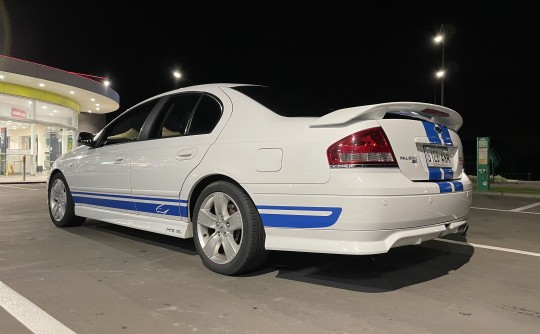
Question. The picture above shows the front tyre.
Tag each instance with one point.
(61, 206)
(228, 231)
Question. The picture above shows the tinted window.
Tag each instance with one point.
(206, 116)
(175, 115)
(286, 103)
(127, 126)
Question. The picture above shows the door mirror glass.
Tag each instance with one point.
(86, 138)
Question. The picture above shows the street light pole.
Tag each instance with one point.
(440, 74)
(442, 66)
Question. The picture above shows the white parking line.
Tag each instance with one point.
(508, 250)
(531, 213)
(526, 207)
(28, 314)
(17, 187)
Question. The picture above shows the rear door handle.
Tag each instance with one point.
(186, 153)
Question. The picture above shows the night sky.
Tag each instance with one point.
(351, 55)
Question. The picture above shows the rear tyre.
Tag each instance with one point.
(228, 231)
(61, 206)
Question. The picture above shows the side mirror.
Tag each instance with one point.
(86, 138)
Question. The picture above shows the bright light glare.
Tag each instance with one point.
(71, 92)
(106, 83)
(41, 85)
(439, 74)
(177, 74)
(438, 39)
(1, 77)
(92, 99)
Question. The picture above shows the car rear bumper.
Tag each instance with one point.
(360, 213)
(359, 224)
(356, 242)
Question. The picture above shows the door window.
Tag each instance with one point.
(175, 115)
(206, 116)
(126, 127)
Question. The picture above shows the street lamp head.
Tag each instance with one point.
(440, 74)
(438, 39)
(177, 74)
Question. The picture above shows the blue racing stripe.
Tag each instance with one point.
(446, 136)
(435, 174)
(445, 187)
(299, 221)
(431, 133)
(458, 186)
(448, 173)
(110, 203)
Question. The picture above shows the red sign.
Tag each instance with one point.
(18, 113)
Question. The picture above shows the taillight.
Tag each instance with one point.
(367, 148)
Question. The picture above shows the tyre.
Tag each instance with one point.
(228, 231)
(61, 206)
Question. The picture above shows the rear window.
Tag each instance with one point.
(287, 104)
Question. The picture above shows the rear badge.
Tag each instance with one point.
(412, 158)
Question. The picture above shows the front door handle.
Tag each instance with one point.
(186, 153)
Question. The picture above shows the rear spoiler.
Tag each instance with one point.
(424, 111)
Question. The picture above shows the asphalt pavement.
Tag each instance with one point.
(102, 278)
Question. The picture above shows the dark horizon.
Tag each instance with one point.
(353, 55)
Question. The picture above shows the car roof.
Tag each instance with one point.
(196, 88)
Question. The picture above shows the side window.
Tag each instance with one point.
(175, 115)
(126, 128)
(206, 116)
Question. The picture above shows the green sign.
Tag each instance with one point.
(482, 163)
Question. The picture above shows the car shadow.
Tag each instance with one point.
(184, 246)
(401, 267)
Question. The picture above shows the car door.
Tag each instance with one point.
(184, 129)
(102, 174)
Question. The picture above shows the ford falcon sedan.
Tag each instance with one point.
(245, 169)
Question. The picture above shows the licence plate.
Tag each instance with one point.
(437, 157)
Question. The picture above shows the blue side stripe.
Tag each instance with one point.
(183, 211)
(164, 209)
(445, 187)
(435, 174)
(172, 208)
(458, 186)
(446, 136)
(142, 198)
(110, 203)
(299, 221)
(432, 135)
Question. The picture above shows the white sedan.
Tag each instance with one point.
(244, 169)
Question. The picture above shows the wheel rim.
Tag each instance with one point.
(58, 200)
(219, 228)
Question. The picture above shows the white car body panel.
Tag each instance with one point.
(282, 165)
